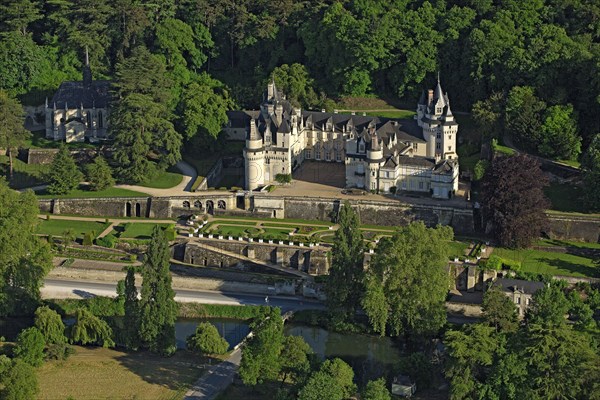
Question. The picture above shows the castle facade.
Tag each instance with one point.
(385, 155)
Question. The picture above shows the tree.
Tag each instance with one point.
(12, 131)
(19, 382)
(145, 137)
(513, 200)
(203, 109)
(18, 14)
(499, 311)
(207, 340)
(30, 346)
(377, 390)
(63, 176)
(261, 356)
(407, 283)
(294, 358)
(548, 308)
(24, 258)
(132, 312)
(333, 381)
(50, 325)
(295, 81)
(471, 353)
(99, 175)
(489, 114)
(524, 117)
(344, 286)
(157, 306)
(89, 329)
(560, 139)
(590, 166)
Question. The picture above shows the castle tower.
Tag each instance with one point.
(374, 159)
(254, 157)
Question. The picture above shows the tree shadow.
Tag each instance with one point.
(83, 294)
(570, 267)
(176, 372)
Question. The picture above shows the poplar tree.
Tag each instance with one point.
(132, 312)
(158, 309)
(344, 286)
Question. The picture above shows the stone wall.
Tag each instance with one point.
(213, 177)
(46, 156)
(311, 260)
(586, 228)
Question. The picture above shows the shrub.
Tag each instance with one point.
(283, 178)
(207, 340)
(107, 241)
(480, 168)
(59, 351)
(170, 233)
(494, 262)
(88, 239)
(30, 346)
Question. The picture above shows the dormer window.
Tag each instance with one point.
(361, 147)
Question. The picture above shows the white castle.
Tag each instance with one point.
(380, 154)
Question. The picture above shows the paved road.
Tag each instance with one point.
(58, 288)
(216, 379)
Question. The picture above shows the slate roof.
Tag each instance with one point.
(417, 161)
(73, 94)
(511, 285)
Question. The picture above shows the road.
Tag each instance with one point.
(58, 288)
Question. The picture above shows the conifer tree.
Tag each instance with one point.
(64, 176)
(99, 174)
(132, 321)
(344, 288)
(158, 309)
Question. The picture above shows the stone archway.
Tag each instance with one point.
(210, 207)
(221, 205)
(138, 210)
(128, 209)
(197, 204)
(186, 204)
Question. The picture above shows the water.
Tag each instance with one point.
(231, 329)
(369, 356)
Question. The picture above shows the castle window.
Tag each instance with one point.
(421, 185)
(338, 155)
(89, 120)
(450, 137)
(449, 148)
(308, 153)
(438, 146)
(361, 148)
(317, 153)
(415, 146)
(439, 135)
(100, 121)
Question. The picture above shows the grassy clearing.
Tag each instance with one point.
(138, 230)
(458, 249)
(97, 373)
(566, 197)
(570, 163)
(395, 114)
(82, 192)
(551, 263)
(24, 175)
(164, 180)
(504, 150)
(56, 227)
(38, 140)
(567, 243)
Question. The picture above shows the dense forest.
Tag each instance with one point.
(539, 56)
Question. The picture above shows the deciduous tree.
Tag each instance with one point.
(377, 390)
(89, 329)
(63, 176)
(407, 283)
(50, 325)
(207, 340)
(19, 382)
(158, 309)
(344, 286)
(30, 346)
(294, 358)
(560, 137)
(333, 381)
(513, 200)
(499, 311)
(24, 258)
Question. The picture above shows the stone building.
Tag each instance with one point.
(79, 109)
(519, 291)
(379, 154)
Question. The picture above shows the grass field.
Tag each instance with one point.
(551, 263)
(24, 175)
(82, 192)
(97, 373)
(56, 227)
(138, 230)
(164, 180)
(396, 114)
(458, 249)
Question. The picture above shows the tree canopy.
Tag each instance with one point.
(63, 176)
(406, 283)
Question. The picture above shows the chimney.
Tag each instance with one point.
(429, 97)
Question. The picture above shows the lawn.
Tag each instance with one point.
(82, 192)
(97, 373)
(550, 263)
(567, 243)
(138, 230)
(566, 197)
(38, 140)
(164, 180)
(457, 249)
(24, 175)
(56, 227)
(396, 114)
